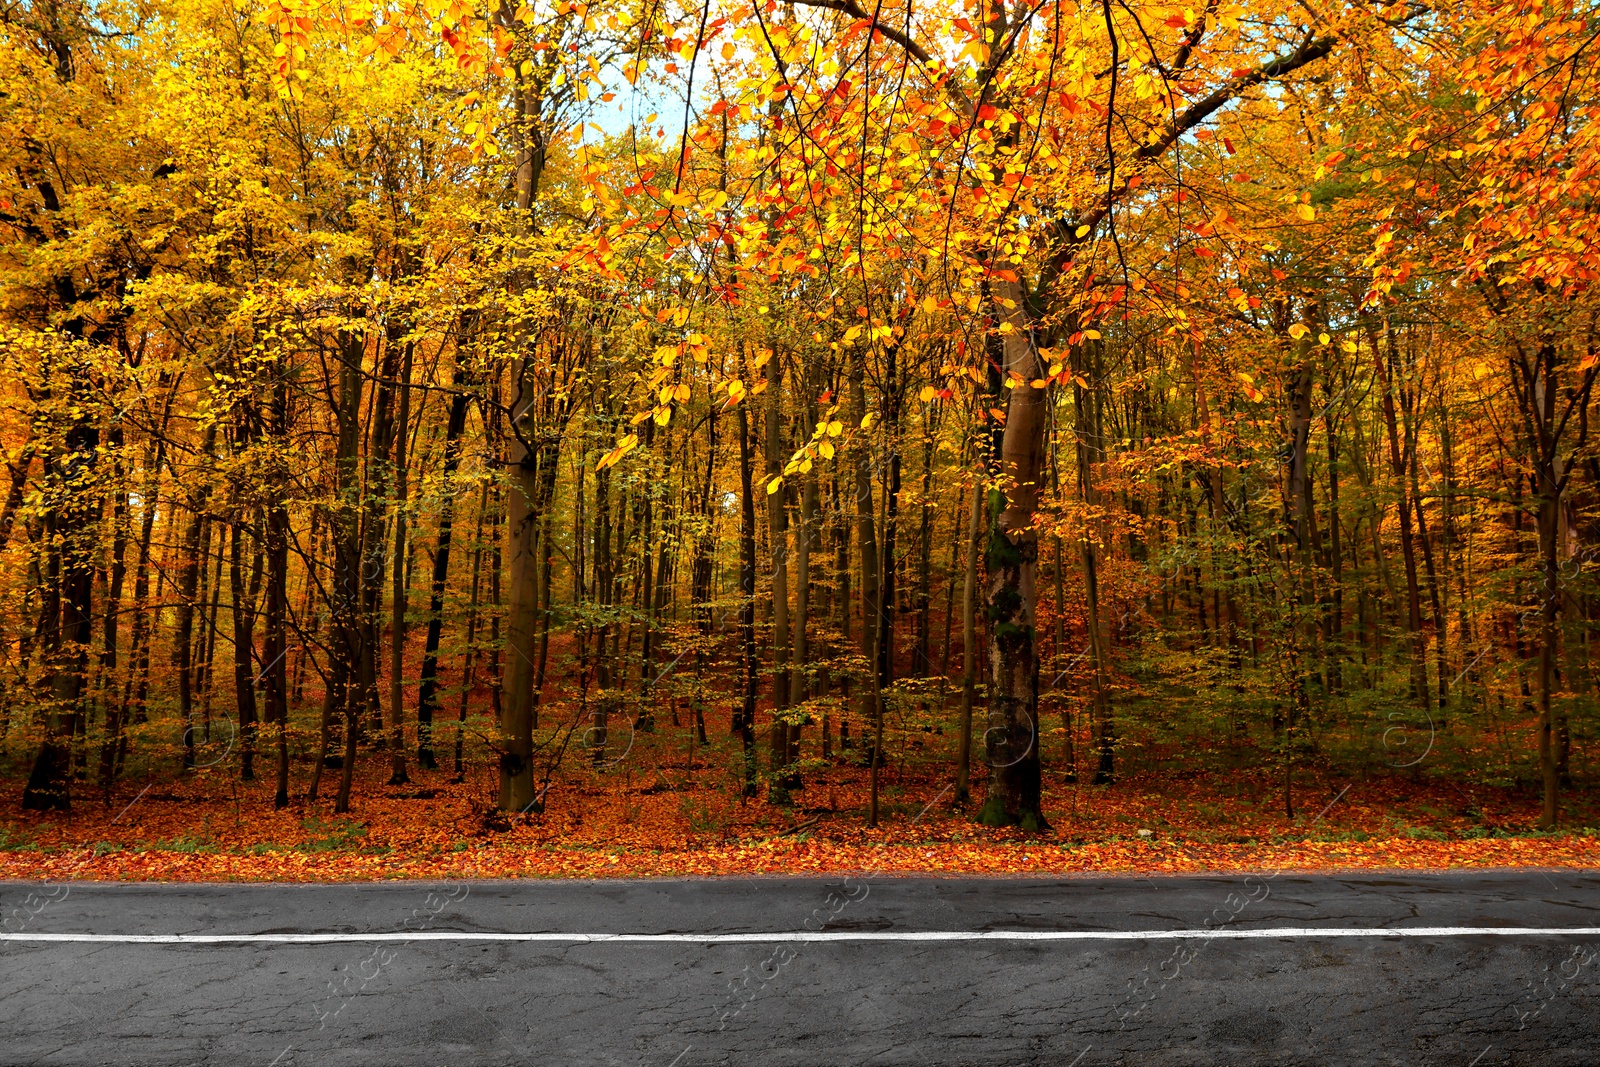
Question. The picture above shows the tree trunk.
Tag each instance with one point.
(969, 645)
(1549, 496)
(888, 600)
(1011, 558)
(801, 685)
(67, 623)
(470, 656)
(1398, 461)
(1086, 434)
(428, 684)
(400, 594)
(346, 632)
(744, 719)
(138, 640)
(275, 673)
(604, 580)
(1302, 558)
(517, 711)
(244, 646)
(924, 595)
(778, 546)
(188, 586)
(871, 587)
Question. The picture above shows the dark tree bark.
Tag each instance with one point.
(778, 547)
(188, 587)
(66, 625)
(428, 684)
(401, 572)
(744, 719)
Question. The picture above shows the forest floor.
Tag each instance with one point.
(637, 821)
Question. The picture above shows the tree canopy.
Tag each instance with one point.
(1026, 389)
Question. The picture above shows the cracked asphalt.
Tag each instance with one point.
(1467, 1001)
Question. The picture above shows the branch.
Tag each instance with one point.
(898, 36)
(1310, 50)
(1191, 40)
(854, 10)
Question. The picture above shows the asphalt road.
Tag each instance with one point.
(1469, 970)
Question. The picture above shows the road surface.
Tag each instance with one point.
(1462, 969)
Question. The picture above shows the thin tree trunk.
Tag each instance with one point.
(14, 495)
(1086, 438)
(1399, 460)
(244, 646)
(871, 587)
(801, 687)
(470, 656)
(275, 673)
(188, 585)
(344, 695)
(745, 718)
(428, 684)
(778, 546)
(924, 595)
(399, 596)
(517, 714)
(969, 646)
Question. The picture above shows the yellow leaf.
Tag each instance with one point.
(1299, 330)
(866, 421)
(774, 485)
(927, 394)
(826, 448)
(623, 448)
(1305, 211)
(929, 304)
(1323, 338)
(835, 428)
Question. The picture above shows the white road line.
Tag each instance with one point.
(1226, 934)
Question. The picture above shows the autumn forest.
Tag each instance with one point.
(954, 419)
